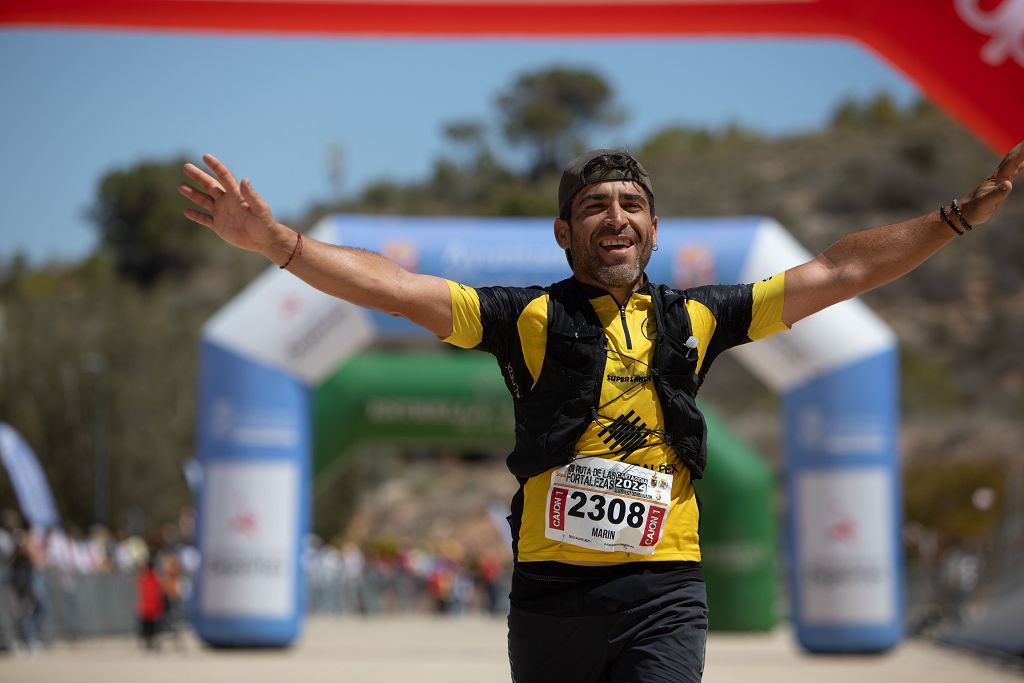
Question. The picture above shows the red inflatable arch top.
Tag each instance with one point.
(968, 55)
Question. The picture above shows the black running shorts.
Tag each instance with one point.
(637, 623)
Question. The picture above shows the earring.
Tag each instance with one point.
(655, 247)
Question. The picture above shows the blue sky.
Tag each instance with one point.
(78, 104)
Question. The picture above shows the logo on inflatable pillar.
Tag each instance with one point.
(1005, 25)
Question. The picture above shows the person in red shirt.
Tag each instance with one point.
(151, 604)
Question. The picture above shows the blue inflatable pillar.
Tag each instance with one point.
(843, 514)
(255, 449)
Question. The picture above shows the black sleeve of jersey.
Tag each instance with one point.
(500, 308)
(732, 306)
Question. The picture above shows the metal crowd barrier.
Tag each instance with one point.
(74, 605)
(336, 593)
(71, 606)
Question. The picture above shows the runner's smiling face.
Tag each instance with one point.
(610, 234)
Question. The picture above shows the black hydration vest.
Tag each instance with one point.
(551, 418)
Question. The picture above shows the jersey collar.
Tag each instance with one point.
(592, 292)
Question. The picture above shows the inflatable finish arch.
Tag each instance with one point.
(836, 373)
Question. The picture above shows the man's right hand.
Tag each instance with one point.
(240, 217)
(234, 211)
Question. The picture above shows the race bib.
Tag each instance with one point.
(608, 505)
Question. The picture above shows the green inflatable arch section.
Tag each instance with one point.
(418, 399)
(459, 400)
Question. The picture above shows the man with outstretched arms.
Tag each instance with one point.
(604, 368)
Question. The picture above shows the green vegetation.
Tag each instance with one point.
(550, 112)
(941, 498)
(140, 224)
(98, 360)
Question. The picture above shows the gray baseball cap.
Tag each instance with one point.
(597, 166)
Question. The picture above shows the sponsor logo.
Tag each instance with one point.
(664, 468)
(628, 379)
(513, 385)
(465, 259)
(1004, 24)
(694, 265)
(403, 253)
(329, 319)
(834, 575)
(843, 531)
(649, 328)
(244, 521)
(736, 555)
(652, 529)
(463, 416)
(245, 566)
(841, 434)
(251, 427)
(840, 527)
(555, 518)
(289, 306)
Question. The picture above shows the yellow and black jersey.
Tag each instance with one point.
(511, 323)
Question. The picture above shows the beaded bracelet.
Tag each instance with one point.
(945, 217)
(960, 215)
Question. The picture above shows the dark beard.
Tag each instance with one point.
(587, 262)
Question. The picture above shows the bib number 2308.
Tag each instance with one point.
(607, 505)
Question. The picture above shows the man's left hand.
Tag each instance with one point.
(979, 206)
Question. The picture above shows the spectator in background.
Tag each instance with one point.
(130, 552)
(23, 596)
(61, 563)
(150, 607)
(171, 583)
(441, 584)
(488, 573)
(353, 564)
(81, 552)
(100, 545)
(6, 545)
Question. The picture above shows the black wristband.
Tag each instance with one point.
(945, 217)
(960, 215)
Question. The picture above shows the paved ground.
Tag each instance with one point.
(425, 650)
